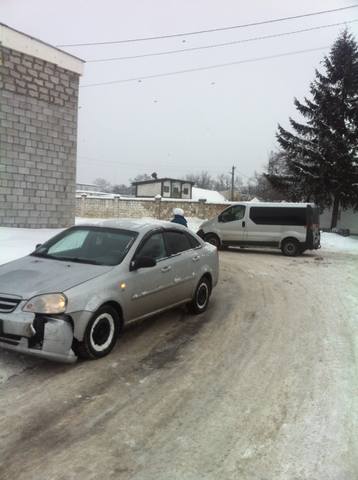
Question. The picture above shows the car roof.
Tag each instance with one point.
(142, 225)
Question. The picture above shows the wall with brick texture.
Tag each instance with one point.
(97, 207)
(38, 134)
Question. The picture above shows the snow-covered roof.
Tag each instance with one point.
(211, 196)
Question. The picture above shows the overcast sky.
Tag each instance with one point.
(206, 120)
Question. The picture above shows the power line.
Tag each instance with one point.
(211, 30)
(234, 42)
(198, 69)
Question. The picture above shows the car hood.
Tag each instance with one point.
(31, 276)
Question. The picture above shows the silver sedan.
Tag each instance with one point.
(72, 296)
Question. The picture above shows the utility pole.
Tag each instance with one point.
(232, 182)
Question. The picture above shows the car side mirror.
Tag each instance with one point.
(143, 262)
(38, 246)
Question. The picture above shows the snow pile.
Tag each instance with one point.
(18, 242)
(336, 243)
(211, 196)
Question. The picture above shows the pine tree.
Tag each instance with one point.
(322, 154)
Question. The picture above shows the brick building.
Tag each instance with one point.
(38, 132)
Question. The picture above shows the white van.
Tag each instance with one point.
(292, 227)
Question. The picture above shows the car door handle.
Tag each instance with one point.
(196, 258)
(243, 223)
(166, 269)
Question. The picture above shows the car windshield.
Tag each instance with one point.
(92, 245)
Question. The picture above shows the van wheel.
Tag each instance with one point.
(213, 239)
(101, 334)
(201, 297)
(290, 247)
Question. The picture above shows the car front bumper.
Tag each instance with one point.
(37, 335)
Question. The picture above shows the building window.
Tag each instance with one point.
(166, 189)
(176, 192)
(186, 190)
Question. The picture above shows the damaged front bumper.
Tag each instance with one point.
(43, 336)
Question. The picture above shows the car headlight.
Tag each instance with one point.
(51, 303)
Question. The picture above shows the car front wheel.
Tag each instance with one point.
(101, 334)
(201, 297)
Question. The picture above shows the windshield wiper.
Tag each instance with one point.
(79, 260)
(43, 255)
(65, 259)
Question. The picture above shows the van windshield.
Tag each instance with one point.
(236, 212)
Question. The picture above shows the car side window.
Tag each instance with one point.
(177, 242)
(153, 247)
(194, 243)
(234, 213)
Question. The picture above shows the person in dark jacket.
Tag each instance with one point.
(179, 217)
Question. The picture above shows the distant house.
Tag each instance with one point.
(166, 187)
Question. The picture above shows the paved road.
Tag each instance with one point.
(261, 387)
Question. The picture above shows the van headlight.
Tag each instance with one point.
(51, 303)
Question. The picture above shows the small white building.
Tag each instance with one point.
(166, 187)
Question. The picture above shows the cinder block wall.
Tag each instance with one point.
(132, 208)
(38, 134)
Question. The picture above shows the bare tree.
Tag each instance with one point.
(141, 177)
(201, 180)
(103, 184)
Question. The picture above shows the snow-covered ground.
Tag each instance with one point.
(17, 242)
(334, 242)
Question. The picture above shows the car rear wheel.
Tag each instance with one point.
(101, 334)
(290, 247)
(201, 297)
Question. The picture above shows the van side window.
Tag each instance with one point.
(236, 212)
(279, 215)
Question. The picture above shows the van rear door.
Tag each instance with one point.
(313, 235)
